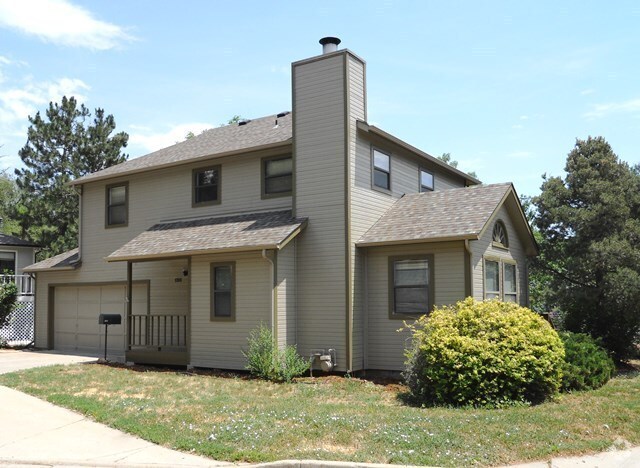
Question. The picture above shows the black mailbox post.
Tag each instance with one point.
(106, 320)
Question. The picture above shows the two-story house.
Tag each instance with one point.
(327, 229)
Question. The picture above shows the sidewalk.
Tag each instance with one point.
(36, 433)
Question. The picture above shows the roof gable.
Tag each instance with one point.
(455, 214)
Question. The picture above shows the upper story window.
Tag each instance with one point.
(499, 237)
(223, 291)
(117, 198)
(206, 186)
(7, 263)
(381, 170)
(410, 286)
(277, 176)
(426, 181)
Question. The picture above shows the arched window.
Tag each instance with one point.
(500, 238)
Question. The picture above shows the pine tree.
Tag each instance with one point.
(590, 227)
(64, 145)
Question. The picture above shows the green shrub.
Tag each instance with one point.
(483, 354)
(8, 296)
(587, 364)
(266, 361)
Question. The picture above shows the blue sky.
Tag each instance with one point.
(505, 87)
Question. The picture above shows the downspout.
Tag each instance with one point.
(468, 269)
(273, 311)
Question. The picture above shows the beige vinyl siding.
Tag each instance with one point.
(286, 294)
(319, 135)
(154, 196)
(219, 344)
(357, 111)
(385, 344)
(166, 295)
(24, 257)
(483, 247)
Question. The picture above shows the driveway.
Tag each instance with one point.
(14, 360)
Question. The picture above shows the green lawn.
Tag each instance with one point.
(240, 419)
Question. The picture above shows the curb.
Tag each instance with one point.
(325, 464)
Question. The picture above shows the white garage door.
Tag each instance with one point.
(76, 311)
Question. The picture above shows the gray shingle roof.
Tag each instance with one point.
(64, 261)
(431, 216)
(216, 141)
(243, 232)
(6, 239)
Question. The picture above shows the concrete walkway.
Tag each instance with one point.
(12, 360)
(38, 434)
(34, 432)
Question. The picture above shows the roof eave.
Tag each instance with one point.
(188, 253)
(252, 149)
(430, 240)
(40, 270)
(365, 127)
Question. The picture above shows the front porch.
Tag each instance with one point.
(157, 339)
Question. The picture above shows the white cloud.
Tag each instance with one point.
(524, 117)
(17, 103)
(61, 22)
(154, 141)
(586, 92)
(517, 127)
(601, 110)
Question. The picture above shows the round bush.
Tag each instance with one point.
(483, 354)
(587, 364)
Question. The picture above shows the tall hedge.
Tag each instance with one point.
(483, 354)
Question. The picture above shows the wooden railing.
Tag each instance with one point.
(157, 331)
(24, 283)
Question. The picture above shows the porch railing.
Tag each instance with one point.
(24, 283)
(157, 331)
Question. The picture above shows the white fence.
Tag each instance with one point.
(25, 283)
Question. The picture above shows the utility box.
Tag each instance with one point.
(110, 319)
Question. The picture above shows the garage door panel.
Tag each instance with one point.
(113, 294)
(76, 311)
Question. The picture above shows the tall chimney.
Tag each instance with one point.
(329, 44)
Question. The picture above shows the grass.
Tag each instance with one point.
(239, 419)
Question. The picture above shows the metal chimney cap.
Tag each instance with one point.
(330, 40)
(329, 44)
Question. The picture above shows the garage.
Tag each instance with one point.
(76, 310)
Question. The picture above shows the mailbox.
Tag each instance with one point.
(109, 319)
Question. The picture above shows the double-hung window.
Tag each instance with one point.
(510, 282)
(277, 176)
(206, 186)
(500, 280)
(117, 205)
(426, 181)
(223, 291)
(491, 279)
(381, 170)
(411, 285)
